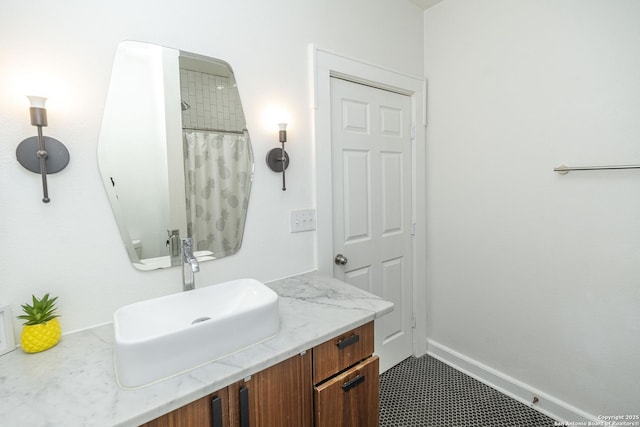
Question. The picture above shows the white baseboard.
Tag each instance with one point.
(522, 392)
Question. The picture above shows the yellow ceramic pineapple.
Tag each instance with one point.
(41, 331)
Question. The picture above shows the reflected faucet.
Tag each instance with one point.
(173, 243)
(188, 273)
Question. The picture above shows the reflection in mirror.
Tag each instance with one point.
(174, 154)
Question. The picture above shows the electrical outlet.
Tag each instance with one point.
(303, 220)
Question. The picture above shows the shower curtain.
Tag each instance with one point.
(218, 168)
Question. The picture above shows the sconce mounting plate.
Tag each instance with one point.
(274, 159)
(57, 154)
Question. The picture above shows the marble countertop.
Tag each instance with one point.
(73, 384)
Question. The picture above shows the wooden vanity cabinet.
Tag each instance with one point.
(335, 384)
(346, 379)
(281, 395)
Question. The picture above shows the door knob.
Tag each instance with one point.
(341, 259)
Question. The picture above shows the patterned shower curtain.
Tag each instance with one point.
(218, 167)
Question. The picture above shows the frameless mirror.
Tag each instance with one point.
(174, 154)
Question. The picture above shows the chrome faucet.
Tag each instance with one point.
(188, 274)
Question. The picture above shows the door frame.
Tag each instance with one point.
(326, 65)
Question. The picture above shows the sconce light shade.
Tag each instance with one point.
(37, 111)
(277, 158)
(283, 132)
(37, 101)
(41, 154)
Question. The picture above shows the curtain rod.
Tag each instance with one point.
(216, 130)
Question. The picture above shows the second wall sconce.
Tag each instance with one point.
(277, 158)
(42, 154)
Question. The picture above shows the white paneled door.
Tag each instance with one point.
(372, 215)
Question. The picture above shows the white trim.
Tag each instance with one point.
(367, 82)
(325, 65)
(7, 340)
(518, 390)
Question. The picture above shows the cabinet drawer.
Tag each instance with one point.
(343, 351)
(349, 399)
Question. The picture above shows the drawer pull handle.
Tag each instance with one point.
(349, 341)
(216, 409)
(244, 407)
(352, 383)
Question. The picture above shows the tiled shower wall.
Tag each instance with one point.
(214, 100)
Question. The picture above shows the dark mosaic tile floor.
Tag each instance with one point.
(424, 392)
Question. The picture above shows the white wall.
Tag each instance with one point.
(531, 273)
(72, 247)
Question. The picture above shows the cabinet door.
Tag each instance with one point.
(281, 395)
(211, 410)
(349, 399)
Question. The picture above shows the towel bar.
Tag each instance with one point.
(563, 169)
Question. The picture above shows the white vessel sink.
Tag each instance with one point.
(165, 336)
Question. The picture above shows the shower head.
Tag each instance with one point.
(185, 105)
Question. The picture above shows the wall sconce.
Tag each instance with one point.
(277, 158)
(42, 154)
